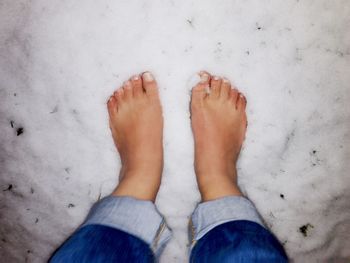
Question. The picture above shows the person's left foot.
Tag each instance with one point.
(136, 122)
(219, 124)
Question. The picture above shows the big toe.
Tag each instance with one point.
(112, 106)
(149, 84)
(201, 89)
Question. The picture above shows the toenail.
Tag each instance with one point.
(225, 80)
(136, 77)
(204, 78)
(127, 84)
(216, 78)
(148, 76)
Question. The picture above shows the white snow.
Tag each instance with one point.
(60, 60)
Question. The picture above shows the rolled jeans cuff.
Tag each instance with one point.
(211, 214)
(136, 217)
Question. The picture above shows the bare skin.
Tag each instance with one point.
(219, 125)
(136, 122)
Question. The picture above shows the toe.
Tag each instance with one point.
(112, 106)
(119, 96)
(137, 85)
(234, 94)
(116, 92)
(204, 72)
(149, 84)
(200, 91)
(225, 89)
(127, 87)
(241, 102)
(215, 87)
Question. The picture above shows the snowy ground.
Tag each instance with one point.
(60, 60)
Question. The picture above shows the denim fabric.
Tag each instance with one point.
(124, 229)
(137, 217)
(102, 244)
(238, 241)
(210, 214)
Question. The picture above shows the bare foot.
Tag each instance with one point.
(219, 125)
(136, 122)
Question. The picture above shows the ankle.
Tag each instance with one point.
(218, 184)
(148, 169)
(138, 183)
(219, 190)
(139, 189)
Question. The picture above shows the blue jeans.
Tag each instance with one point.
(124, 229)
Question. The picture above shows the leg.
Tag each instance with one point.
(226, 226)
(126, 226)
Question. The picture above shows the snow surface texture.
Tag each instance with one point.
(60, 60)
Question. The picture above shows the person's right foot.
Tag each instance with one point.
(219, 125)
(136, 122)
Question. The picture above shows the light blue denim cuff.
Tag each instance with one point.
(136, 217)
(210, 214)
